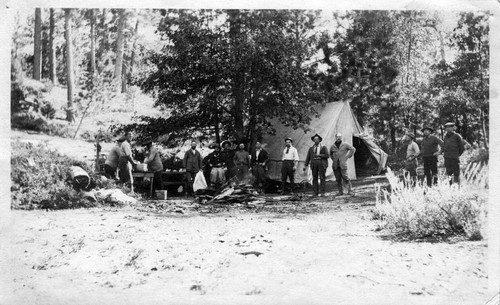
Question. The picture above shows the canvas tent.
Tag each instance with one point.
(335, 117)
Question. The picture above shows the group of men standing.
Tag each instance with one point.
(317, 158)
(222, 165)
(225, 164)
(452, 147)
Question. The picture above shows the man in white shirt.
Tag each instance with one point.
(289, 165)
(126, 162)
(412, 152)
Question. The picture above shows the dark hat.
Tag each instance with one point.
(449, 124)
(226, 142)
(120, 139)
(411, 135)
(317, 135)
(428, 128)
(288, 138)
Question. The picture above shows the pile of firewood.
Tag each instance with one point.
(241, 194)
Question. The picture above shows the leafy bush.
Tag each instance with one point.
(47, 110)
(30, 120)
(41, 178)
(440, 211)
(59, 129)
(16, 96)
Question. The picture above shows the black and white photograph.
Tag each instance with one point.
(224, 153)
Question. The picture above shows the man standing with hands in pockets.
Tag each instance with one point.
(317, 156)
(340, 152)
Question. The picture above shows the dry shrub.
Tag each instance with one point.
(41, 178)
(444, 210)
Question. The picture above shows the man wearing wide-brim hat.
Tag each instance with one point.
(452, 149)
(430, 151)
(290, 158)
(317, 156)
(412, 153)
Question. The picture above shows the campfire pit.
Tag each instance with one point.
(241, 194)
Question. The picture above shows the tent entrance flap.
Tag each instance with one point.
(365, 163)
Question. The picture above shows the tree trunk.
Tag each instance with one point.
(132, 55)
(239, 74)
(52, 49)
(408, 56)
(37, 61)
(441, 46)
(484, 129)
(124, 77)
(216, 123)
(393, 136)
(433, 26)
(92, 42)
(69, 63)
(119, 45)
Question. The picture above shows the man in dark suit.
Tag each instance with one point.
(453, 148)
(227, 154)
(317, 156)
(259, 160)
(192, 164)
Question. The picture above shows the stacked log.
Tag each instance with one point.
(242, 194)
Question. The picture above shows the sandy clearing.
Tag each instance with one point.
(123, 256)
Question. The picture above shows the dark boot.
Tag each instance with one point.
(283, 188)
(349, 188)
(291, 187)
(341, 191)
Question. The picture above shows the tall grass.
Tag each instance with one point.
(443, 210)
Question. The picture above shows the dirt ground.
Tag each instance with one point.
(326, 251)
(180, 252)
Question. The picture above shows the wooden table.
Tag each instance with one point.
(149, 175)
(174, 178)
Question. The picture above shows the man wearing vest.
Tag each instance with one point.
(216, 162)
(430, 151)
(192, 165)
(317, 156)
(259, 160)
(452, 149)
(290, 159)
(340, 152)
